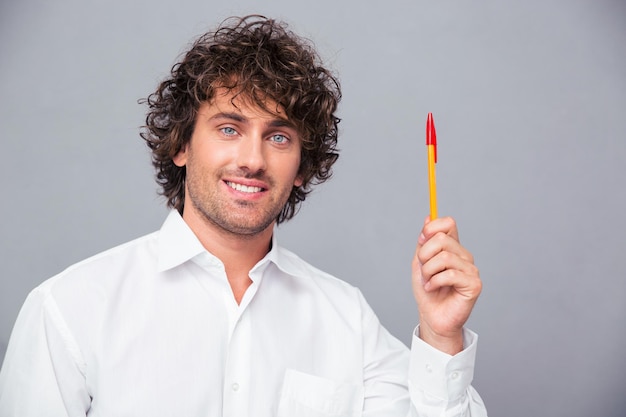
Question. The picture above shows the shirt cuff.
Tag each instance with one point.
(441, 375)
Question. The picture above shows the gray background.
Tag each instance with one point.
(529, 100)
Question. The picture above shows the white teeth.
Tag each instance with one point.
(243, 188)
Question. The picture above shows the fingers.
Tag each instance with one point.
(445, 225)
(443, 261)
(440, 235)
(441, 242)
(461, 275)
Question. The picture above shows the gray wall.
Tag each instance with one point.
(529, 99)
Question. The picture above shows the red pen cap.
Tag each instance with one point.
(431, 134)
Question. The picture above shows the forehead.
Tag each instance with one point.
(227, 100)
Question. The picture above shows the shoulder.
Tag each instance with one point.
(306, 275)
(79, 299)
(310, 288)
(93, 276)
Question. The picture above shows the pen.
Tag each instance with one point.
(431, 145)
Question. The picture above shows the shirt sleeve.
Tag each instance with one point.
(43, 370)
(424, 382)
(439, 384)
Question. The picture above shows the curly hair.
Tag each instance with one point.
(263, 60)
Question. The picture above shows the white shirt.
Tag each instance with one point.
(151, 328)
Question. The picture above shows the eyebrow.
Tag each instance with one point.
(276, 122)
(232, 116)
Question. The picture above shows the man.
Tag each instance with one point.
(209, 316)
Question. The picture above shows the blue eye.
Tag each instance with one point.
(279, 138)
(228, 131)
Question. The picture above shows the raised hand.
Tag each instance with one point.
(446, 284)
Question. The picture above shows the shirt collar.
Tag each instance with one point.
(285, 260)
(177, 244)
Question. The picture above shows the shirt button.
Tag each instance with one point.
(235, 387)
(429, 368)
(454, 375)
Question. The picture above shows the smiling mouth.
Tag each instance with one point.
(243, 188)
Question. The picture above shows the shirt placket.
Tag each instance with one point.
(237, 389)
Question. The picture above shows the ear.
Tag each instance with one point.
(180, 159)
(298, 181)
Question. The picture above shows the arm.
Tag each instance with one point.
(446, 285)
(42, 373)
(436, 384)
(440, 384)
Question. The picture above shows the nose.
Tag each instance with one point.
(251, 154)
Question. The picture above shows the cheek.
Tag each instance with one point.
(285, 166)
(210, 158)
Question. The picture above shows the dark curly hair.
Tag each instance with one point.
(263, 60)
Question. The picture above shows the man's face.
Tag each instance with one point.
(242, 163)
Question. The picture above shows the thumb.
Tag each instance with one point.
(417, 265)
(422, 237)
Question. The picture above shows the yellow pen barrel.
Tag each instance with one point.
(432, 183)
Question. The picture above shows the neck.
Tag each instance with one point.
(238, 253)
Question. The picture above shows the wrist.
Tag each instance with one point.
(448, 343)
